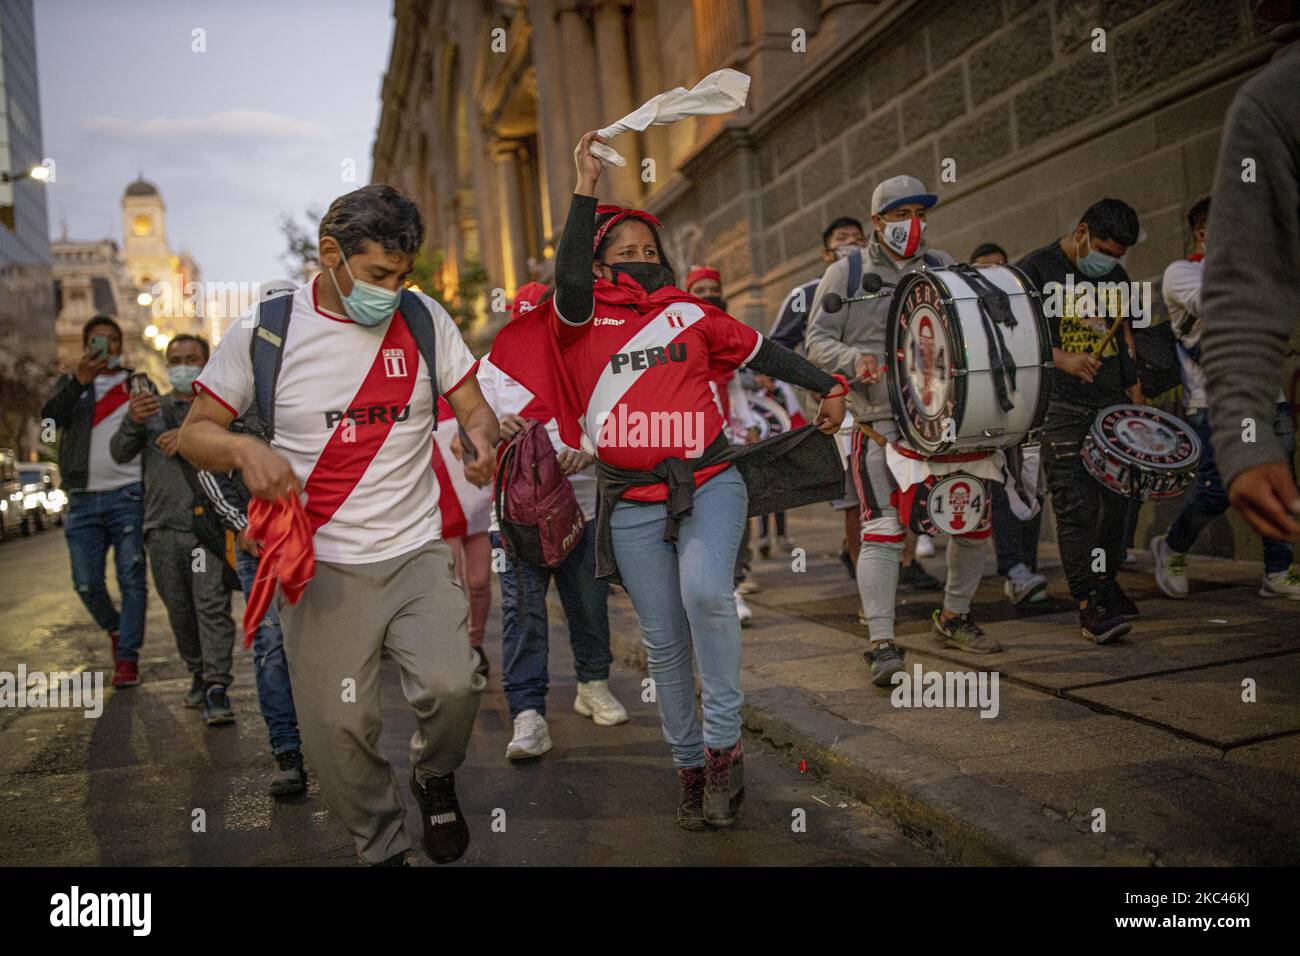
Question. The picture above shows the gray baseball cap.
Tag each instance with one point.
(900, 189)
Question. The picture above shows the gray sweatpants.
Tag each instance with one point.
(412, 606)
(197, 602)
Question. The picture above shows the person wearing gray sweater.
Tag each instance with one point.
(1251, 293)
(189, 579)
(851, 342)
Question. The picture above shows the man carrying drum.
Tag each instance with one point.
(1094, 369)
(851, 341)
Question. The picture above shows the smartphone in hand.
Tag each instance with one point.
(99, 346)
(140, 383)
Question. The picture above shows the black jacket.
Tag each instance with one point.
(72, 409)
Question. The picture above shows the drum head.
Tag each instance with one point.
(956, 504)
(1147, 437)
(768, 414)
(925, 349)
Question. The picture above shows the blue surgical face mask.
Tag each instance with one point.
(183, 376)
(1093, 263)
(367, 304)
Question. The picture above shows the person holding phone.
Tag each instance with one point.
(105, 497)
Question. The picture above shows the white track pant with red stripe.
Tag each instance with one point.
(883, 537)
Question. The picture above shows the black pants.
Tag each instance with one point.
(1014, 541)
(1089, 516)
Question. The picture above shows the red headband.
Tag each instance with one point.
(703, 272)
(620, 213)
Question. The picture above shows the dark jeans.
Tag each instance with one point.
(1207, 498)
(1014, 541)
(274, 694)
(765, 525)
(1088, 514)
(97, 520)
(524, 644)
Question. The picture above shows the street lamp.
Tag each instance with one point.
(38, 172)
(144, 298)
(160, 341)
(150, 331)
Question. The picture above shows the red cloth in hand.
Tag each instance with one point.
(288, 558)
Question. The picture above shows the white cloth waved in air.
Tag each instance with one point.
(723, 91)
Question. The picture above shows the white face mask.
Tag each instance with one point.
(904, 236)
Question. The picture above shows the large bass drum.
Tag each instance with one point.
(968, 357)
(1142, 452)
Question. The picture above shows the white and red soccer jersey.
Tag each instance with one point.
(644, 380)
(354, 416)
(465, 507)
(111, 402)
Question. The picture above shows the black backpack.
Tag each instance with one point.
(1157, 359)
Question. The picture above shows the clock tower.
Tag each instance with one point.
(144, 227)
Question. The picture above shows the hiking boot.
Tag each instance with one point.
(196, 696)
(217, 709)
(595, 701)
(743, 610)
(1023, 586)
(446, 834)
(532, 736)
(915, 576)
(886, 660)
(291, 777)
(963, 633)
(1171, 568)
(1113, 596)
(482, 668)
(690, 808)
(1283, 584)
(125, 674)
(724, 784)
(1101, 624)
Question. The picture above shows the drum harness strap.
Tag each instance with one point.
(995, 311)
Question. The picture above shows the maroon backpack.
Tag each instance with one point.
(538, 514)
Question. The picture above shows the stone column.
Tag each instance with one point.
(650, 82)
(505, 155)
(555, 137)
(622, 184)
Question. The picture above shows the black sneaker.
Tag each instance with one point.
(481, 668)
(915, 576)
(886, 660)
(291, 777)
(690, 808)
(216, 708)
(197, 695)
(963, 633)
(446, 834)
(1101, 624)
(1115, 598)
(724, 784)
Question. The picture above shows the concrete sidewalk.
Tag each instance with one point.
(1152, 729)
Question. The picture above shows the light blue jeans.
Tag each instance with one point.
(682, 593)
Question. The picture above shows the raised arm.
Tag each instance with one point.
(573, 277)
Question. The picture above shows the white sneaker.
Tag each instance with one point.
(532, 737)
(595, 701)
(742, 609)
(748, 585)
(924, 546)
(1023, 585)
(1285, 584)
(1171, 568)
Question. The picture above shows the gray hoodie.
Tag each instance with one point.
(1251, 292)
(836, 340)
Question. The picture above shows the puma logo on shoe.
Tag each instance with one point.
(438, 818)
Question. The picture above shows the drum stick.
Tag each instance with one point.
(874, 435)
(1109, 335)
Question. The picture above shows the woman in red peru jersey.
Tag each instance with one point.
(625, 358)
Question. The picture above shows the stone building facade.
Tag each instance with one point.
(1032, 116)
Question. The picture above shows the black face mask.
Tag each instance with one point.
(716, 300)
(651, 276)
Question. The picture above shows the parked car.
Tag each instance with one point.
(44, 501)
(11, 495)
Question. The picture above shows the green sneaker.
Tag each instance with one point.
(963, 633)
(886, 660)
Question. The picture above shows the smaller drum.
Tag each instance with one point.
(768, 415)
(1140, 451)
